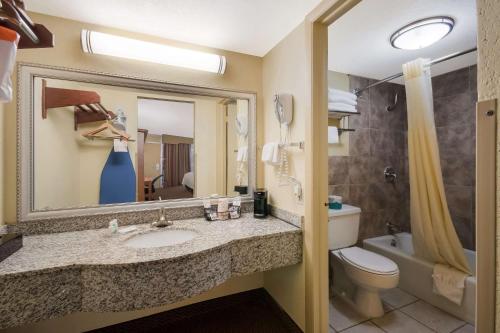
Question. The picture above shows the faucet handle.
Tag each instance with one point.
(162, 220)
(391, 227)
(162, 214)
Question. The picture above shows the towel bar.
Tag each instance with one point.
(342, 130)
(300, 144)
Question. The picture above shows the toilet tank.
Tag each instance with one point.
(343, 226)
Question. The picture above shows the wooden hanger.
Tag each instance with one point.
(116, 133)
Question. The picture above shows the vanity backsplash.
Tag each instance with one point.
(98, 221)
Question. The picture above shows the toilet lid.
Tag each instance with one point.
(369, 261)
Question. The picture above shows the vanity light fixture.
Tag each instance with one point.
(422, 33)
(105, 44)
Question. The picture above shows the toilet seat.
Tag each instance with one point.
(368, 261)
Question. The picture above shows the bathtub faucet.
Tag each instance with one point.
(392, 228)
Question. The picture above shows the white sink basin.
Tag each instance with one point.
(160, 238)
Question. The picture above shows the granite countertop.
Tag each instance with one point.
(93, 270)
(100, 247)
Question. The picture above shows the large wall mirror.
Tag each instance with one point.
(93, 143)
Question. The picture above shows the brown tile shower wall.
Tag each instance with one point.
(455, 95)
(378, 142)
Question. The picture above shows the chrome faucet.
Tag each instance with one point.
(392, 228)
(162, 221)
(390, 175)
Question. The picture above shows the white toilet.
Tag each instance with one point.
(369, 272)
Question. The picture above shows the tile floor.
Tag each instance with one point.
(404, 313)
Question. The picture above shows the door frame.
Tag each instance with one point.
(141, 138)
(485, 215)
(316, 184)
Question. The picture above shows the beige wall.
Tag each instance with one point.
(243, 73)
(489, 88)
(209, 148)
(338, 80)
(284, 72)
(56, 155)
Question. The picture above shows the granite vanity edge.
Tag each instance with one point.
(101, 220)
(168, 260)
(286, 216)
(94, 288)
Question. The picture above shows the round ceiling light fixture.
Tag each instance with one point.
(422, 33)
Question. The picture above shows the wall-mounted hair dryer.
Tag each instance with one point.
(283, 108)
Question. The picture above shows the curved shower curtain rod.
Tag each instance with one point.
(358, 92)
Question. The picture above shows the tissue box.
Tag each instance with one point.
(10, 243)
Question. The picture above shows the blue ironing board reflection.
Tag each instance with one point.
(118, 184)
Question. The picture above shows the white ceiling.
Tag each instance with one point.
(166, 117)
(246, 26)
(359, 41)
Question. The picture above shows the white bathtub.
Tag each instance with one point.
(416, 274)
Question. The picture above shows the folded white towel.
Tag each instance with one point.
(267, 153)
(341, 99)
(333, 134)
(341, 107)
(276, 154)
(449, 282)
(242, 154)
(336, 93)
(270, 153)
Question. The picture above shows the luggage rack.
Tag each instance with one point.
(32, 36)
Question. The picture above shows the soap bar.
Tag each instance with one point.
(10, 243)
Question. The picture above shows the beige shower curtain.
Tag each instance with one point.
(434, 236)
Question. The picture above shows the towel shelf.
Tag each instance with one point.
(300, 145)
(342, 130)
(340, 114)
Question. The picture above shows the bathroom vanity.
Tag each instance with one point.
(73, 179)
(93, 270)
